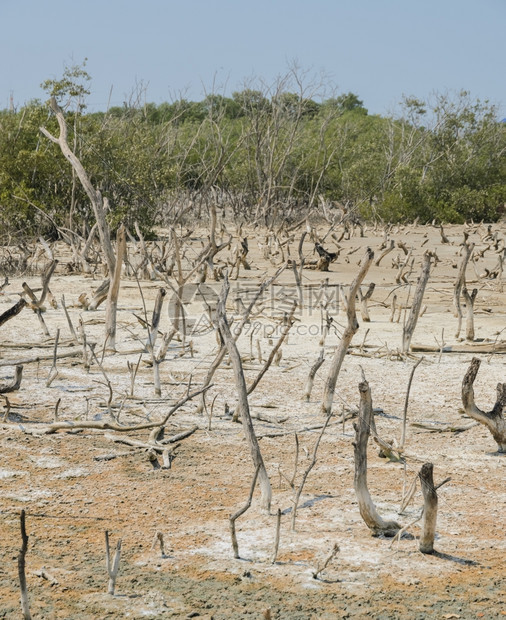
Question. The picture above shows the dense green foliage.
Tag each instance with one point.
(270, 152)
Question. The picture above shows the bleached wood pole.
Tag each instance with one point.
(275, 547)
(469, 299)
(349, 332)
(430, 502)
(112, 295)
(409, 327)
(112, 567)
(368, 511)
(242, 396)
(494, 420)
(25, 607)
(460, 283)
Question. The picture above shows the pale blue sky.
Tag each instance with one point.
(379, 49)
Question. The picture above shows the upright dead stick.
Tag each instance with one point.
(349, 332)
(406, 401)
(430, 502)
(461, 283)
(469, 299)
(112, 296)
(233, 518)
(242, 395)
(362, 431)
(312, 374)
(284, 334)
(112, 568)
(409, 327)
(306, 474)
(275, 548)
(25, 608)
(494, 420)
(53, 373)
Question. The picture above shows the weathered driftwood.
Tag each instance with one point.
(275, 547)
(481, 347)
(346, 338)
(409, 327)
(430, 501)
(25, 607)
(12, 312)
(494, 420)
(321, 567)
(16, 382)
(100, 295)
(242, 396)
(374, 522)
(233, 518)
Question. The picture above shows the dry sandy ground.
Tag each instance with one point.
(70, 497)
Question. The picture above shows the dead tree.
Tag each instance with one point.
(430, 502)
(112, 295)
(469, 299)
(364, 298)
(98, 203)
(233, 518)
(460, 283)
(409, 327)
(112, 568)
(312, 374)
(362, 431)
(242, 394)
(25, 607)
(349, 332)
(494, 420)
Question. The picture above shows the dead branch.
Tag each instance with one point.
(112, 568)
(469, 299)
(312, 374)
(12, 312)
(460, 283)
(406, 401)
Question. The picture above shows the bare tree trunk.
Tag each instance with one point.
(364, 298)
(242, 395)
(112, 296)
(25, 607)
(349, 332)
(409, 328)
(312, 374)
(430, 502)
(459, 284)
(16, 383)
(362, 431)
(469, 299)
(494, 420)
